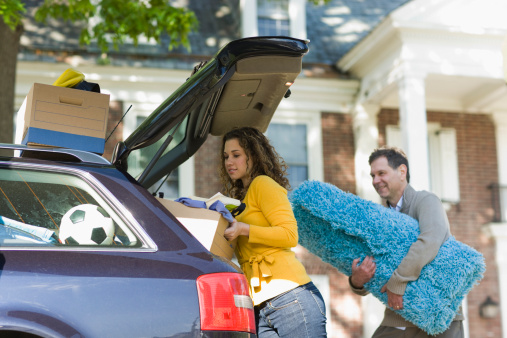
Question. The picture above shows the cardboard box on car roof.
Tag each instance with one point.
(65, 117)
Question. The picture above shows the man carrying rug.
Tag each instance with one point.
(390, 178)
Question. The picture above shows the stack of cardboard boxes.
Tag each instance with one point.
(63, 117)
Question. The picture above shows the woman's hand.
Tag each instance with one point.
(236, 229)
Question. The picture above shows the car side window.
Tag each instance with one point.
(54, 209)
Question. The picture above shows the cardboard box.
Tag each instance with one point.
(207, 226)
(65, 117)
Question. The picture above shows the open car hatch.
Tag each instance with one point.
(242, 85)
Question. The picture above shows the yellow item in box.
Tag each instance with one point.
(69, 78)
(65, 117)
(207, 226)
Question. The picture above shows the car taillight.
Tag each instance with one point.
(225, 303)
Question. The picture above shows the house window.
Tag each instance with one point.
(443, 159)
(297, 138)
(273, 17)
(290, 142)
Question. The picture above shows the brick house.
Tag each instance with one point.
(423, 75)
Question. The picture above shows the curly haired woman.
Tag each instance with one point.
(286, 302)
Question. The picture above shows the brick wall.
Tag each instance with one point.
(478, 168)
(344, 309)
(338, 149)
(207, 162)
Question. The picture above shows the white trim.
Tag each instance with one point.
(500, 119)
(139, 86)
(324, 95)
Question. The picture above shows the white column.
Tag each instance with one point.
(500, 119)
(498, 231)
(248, 18)
(366, 139)
(297, 15)
(414, 128)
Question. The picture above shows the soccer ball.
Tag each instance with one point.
(86, 224)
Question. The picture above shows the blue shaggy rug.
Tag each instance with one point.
(339, 227)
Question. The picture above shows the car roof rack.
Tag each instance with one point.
(56, 154)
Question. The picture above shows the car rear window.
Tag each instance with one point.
(40, 208)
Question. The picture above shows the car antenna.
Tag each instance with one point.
(163, 181)
(160, 186)
(158, 154)
(118, 123)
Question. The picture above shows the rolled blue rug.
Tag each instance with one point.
(339, 227)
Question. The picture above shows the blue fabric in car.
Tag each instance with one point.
(217, 206)
(191, 203)
(220, 207)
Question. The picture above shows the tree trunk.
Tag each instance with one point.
(9, 45)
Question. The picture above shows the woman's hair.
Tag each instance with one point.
(262, 159)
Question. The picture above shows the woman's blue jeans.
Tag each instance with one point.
(300, 312)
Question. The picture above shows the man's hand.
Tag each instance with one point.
(361, 274)
(394, 300)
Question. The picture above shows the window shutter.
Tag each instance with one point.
(435, 156)
(449, 165)
(443, 158)
(393, 136)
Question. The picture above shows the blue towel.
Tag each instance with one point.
(220, 207)
(339, 227)
(191, 203)
(217, 206)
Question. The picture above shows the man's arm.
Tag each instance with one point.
(434, 230)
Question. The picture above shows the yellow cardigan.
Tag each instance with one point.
(266, 258)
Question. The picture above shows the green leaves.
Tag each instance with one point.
(110, 22)
(11, 11)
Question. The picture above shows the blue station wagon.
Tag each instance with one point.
(86, 250)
